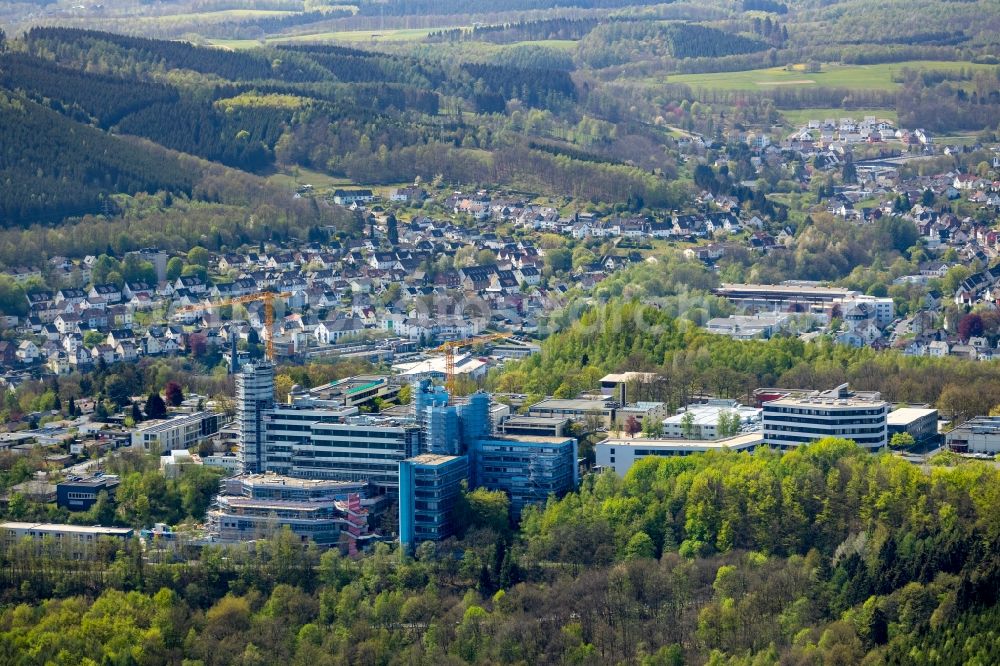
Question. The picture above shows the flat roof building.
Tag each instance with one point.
(76, 541)
(978, 435)
(358, 390)
(179, 432)
(748, 327)
(791, 422)
(617, 384)
(703, 422)
(429, 487)
(528, 469)
(79, 494)
(920, 423)
(255, 506)
(603, 408)
(545, 426)
(620, 454)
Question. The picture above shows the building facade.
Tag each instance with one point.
(920, 423)
(429, 487)
(76, 541)
(180, 432)
(790, 422)
(978, 435)
(528, 469)
(254, 397)
(78, 494)
(256, 506)
(621, 454)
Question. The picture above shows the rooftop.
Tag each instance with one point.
(272, 479)
(708, 414)
(529, 439)
(535, 420)
(785, 288)
(577, 404)
(68, 529)
(825, 401)
(905, 415)
(431, 459)
(738, 442)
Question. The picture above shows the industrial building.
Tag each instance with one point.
(620, 454)
(978, 435)
(790, 422)
(179, 432)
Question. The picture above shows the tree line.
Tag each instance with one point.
(852, 558)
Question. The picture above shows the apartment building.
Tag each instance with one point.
(179, 432)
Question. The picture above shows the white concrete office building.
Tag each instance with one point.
(790, 422)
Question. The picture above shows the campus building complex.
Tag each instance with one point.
(421, 458)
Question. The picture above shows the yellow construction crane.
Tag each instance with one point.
(267, 297)
(449, 353)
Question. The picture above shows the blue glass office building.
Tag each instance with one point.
(528, 469)
(429, 486)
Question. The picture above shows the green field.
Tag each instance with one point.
(344, 36)
(300, 176)
(856, 77)
(799, 117)
(356, 36)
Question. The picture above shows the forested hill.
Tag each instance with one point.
(351, 113)
(52, 167)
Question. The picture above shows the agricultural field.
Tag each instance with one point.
(799, 117)
(342, 37)
(294, 177)
(854, 77)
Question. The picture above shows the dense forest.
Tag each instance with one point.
(52, 168)
(822, 555)
(249, 109)
(620, 42)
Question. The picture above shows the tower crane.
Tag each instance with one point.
(449, 353)
(267, 297)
